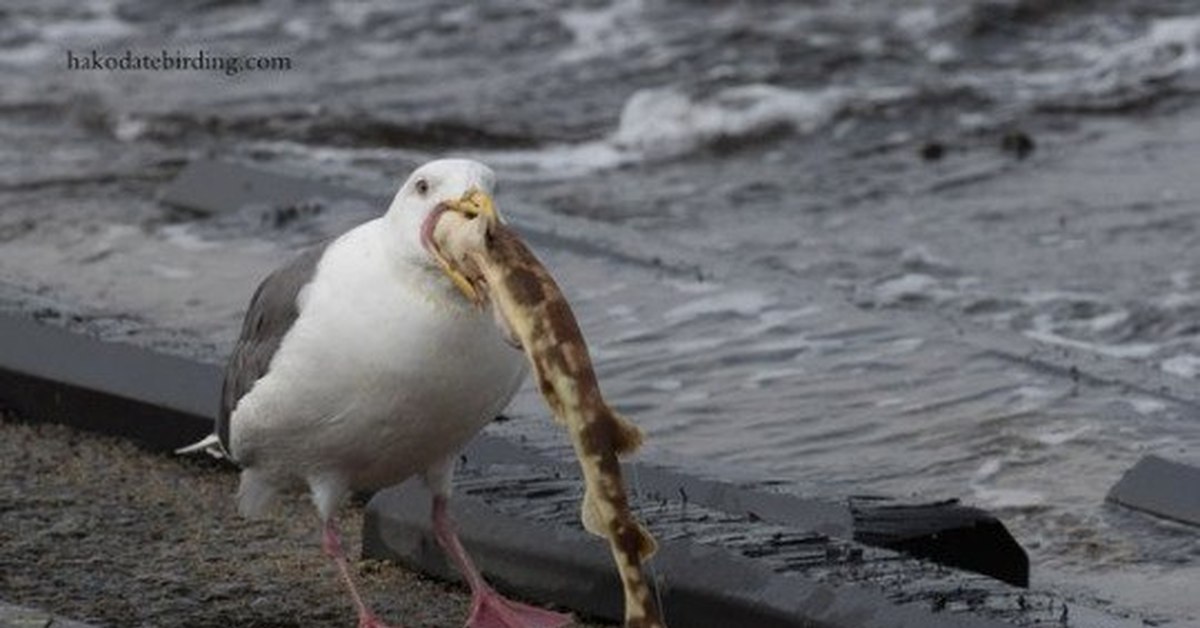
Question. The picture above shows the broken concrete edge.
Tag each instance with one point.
(1160, 487)
(575, 570)
(14, 616)
(943, 532)
(946, 533)
(164, 402)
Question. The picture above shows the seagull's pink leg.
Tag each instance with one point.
(332, 544)
(488, 608)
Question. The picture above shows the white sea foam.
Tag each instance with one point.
(904, 345)
(908, 286)
(607, 31)
(1008, 498)
(1060, 436)
(763, 376)
(621, 311)
(740, 302)
(664, 122)
(992, 497)
(1169, 47)
(1127, 350)
(1146, 405)
(696, 395)
(666, 384)
(99, 29)
(30, 54)
(1185, 365)
(1039, 297)
(987, 470)
(1178, 300)
(1106, 322)
(690, 346)
(181, 236)
(556, 161)
(171, 272)
(1029, 398)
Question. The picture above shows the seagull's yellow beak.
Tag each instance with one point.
(474, 203)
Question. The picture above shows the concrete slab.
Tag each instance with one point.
(1161, 487)
(50, 374)
(519, 515)
(701, 586)
(212, 187)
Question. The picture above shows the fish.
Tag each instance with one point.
(494, 265)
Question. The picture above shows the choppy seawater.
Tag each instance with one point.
(911, 248)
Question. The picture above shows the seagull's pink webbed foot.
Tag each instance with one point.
(492, 610)
(488, 608)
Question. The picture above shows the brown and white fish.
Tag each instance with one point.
(492, 262)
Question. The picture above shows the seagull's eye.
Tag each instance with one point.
(422, 187)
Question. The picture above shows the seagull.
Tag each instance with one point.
(362, 363)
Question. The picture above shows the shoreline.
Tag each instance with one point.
(60, 390)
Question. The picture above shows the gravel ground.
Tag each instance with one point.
(96, 529)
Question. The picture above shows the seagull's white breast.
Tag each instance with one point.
(385, 372)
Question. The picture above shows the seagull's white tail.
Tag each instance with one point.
(210, 445)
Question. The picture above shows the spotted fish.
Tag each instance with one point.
(494, 264)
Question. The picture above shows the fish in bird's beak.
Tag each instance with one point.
(475, 203)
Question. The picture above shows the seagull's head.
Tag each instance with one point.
(461, 185)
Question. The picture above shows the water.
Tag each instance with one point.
(777, 284)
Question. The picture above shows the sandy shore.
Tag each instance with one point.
(98, 530)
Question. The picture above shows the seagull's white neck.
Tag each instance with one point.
(398, 245)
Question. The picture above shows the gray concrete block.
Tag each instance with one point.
(50, 374)
(1161, 487)
(211, 187)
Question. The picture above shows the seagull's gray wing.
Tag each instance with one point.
(272, 312)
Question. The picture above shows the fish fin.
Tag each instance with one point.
(628, 436)
(647, 546)
(592, 520)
